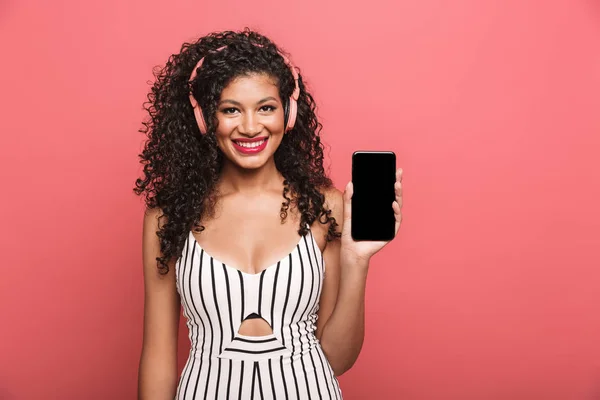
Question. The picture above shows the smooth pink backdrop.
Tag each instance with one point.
(492, 289)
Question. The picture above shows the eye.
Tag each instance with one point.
(229, 110)
(268, 108)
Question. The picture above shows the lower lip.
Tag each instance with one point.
(250, 150)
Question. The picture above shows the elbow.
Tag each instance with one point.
(339, 361)
(340, 369)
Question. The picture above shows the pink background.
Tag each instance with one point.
(492, 289)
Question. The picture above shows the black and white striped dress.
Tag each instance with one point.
(217, 298)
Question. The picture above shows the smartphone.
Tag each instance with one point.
(373, 178)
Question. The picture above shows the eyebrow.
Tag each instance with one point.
(237, 103)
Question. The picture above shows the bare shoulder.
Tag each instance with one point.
(154, 220)
(152, 217)
(334, 201)
(151, 243)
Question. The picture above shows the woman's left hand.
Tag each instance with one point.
(364, 250)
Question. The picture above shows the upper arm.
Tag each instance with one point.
(161, 311)
(331, 257)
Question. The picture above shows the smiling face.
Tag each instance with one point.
(250, 120)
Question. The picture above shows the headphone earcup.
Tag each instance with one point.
(286, 114)
(292, 111)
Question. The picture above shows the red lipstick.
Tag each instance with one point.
(250, 146)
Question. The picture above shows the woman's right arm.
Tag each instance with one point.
(157, 375)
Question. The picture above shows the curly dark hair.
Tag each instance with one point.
(181, 167)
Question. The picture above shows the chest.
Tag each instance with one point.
(251, 237)
(284, 293)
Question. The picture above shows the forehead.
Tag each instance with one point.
(251, 86)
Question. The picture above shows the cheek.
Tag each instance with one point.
(222, 133)
(275, 124)
(225, 125)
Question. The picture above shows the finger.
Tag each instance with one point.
(397, 215)
(397, 209)
(399, 174)
(398, 189)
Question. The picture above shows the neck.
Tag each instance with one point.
(236, 180)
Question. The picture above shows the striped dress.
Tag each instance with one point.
(217, 298)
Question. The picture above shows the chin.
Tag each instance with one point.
(247, 162)
(255, 163)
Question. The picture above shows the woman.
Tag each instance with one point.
(245, 230)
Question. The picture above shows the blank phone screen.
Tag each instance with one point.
(373, 178)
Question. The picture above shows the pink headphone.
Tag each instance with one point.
(291, 108)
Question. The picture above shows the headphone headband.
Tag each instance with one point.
(292, 106)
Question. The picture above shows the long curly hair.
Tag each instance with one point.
(181, 167)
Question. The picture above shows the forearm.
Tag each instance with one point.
(343, 334)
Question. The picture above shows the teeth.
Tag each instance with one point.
(250, 145)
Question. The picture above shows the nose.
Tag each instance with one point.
(249, 125)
